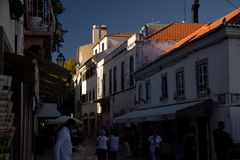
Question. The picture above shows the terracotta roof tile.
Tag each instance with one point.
(233, 17)
(175, 31)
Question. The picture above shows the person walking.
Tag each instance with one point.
(113, 145)
(222, 141)
(154, 145)
(63, 145)
(190, 144)
(126, 140)
(101, 142)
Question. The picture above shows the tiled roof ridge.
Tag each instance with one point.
(205, 29)
(169, 25)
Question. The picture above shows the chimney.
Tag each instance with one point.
(103, 30)
(195, 7)
(95, 33)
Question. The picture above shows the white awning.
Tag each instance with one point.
(62, 120)
(167, 112)
(48, 110)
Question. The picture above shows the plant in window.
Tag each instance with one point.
(144, 101)
(208, 91)
(161, 98)
(135, 101)
(59, 31)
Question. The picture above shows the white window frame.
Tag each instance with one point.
(202, 77)
(164, 88)
(148, 91)
(139, 93)
(180, 91)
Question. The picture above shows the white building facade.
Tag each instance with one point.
(93, 105)
(196, 83)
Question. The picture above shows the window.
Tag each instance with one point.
(90, 96)
(83, 98)
(92, 71)
(87, 74)
(95, 51)
(98, 86)
(164, 87)
(104, 85)
(86, 100)
(122, 76)
(131, 68)
(110, 81)
(139, 93)
(93, 94)
(84, 77)
(148, 91)
(202, 78)
(102, 46)
(115, 79)
(179, 84)
(80, 89)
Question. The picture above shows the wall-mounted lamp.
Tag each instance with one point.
(60, 59)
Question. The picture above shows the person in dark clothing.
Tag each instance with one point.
(222, 141)
(190, 144)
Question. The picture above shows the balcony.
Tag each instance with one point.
(229, 98)
(39, 24)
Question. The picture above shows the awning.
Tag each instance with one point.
(49, 67)
(48, 110)
(21, 67)
(167, 112)
(62, 120)
(52, 77)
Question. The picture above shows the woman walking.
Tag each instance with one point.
(102, 141)
(113, 145)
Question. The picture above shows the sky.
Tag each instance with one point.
(129, 16)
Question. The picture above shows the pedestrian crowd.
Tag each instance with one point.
(107, 144)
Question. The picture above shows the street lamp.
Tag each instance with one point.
(60, 59)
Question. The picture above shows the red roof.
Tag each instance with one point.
(233, 17)
(175, 31)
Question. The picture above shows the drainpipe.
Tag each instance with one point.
(195, 7)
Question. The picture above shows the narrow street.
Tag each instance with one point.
(87, 153)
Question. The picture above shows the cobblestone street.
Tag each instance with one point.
(88, 152)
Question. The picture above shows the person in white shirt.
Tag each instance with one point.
(154, 142)
(113, 145)
(102, 142)
(63, 145)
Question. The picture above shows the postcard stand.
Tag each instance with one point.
(6, 117)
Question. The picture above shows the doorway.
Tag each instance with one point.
(202, 131)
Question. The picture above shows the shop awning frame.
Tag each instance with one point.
(167, 112)
(53, 79)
